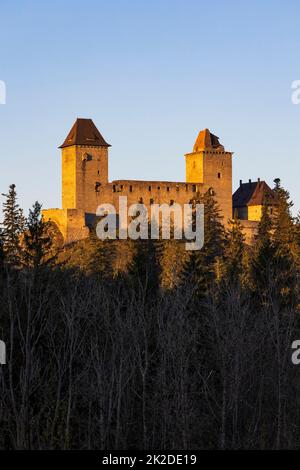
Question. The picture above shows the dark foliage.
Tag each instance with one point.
(103, 361)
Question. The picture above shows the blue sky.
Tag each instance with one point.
(150, 75)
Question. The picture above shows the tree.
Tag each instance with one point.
(1, 251)
(98, 255)
(283, 223)
(144, 269)
(203, 266)
(261, 265)
(297, 237)
(273, 269)
(13, 227)
(37, 243)
(233, 266)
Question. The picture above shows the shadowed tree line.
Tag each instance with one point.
(175, 351)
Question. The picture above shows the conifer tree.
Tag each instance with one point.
(284, 229)
(37, 243)
(1, 251)
(144, 270)
(13, 227)
(203, 266)
(297, 238)
(263, 254)
(273, 268)
(172, 258)
(285, 246)
(233, 264)
(98, 255)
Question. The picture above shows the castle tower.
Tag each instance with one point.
(211, 165)
(84, 166)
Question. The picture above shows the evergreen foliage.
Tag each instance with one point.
(13, 227)
(97, 360)
(37, 244)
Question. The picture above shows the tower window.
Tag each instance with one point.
(219, 175)
(114, 188)
(141, 200)
(172, 202)
(194, 188)
(158, 187)
(130, 189)
(168, 189)
(86, 157)
(149, 188)
(151, 201)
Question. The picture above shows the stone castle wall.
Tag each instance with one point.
(85, 186)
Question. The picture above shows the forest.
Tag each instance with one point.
(125, 345)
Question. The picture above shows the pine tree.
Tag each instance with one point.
(37, 243)
(233, 263)
(172, 258)
(297, 238)
(144, 270)
(285, 246)
(261, 268)
(202, 267)
(273, 267)
(13, 227)
(284, 228)
(98, 255)
(1, 251)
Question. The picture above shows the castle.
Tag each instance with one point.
(85, 184)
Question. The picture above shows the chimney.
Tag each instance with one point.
(241, 182)
(250, 181)
(258, 180)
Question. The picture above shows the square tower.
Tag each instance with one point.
(211, 165)
(84, 166)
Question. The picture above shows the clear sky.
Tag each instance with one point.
(150, 74)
